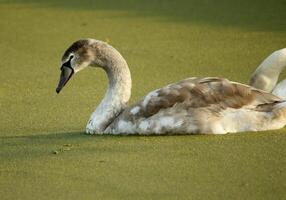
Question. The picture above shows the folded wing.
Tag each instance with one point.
(205, 92)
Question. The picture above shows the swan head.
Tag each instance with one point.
(78, 56)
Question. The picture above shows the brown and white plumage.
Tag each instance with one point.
(201, 105)
(208, 105)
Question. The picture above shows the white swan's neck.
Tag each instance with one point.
(266, 75)
(118, 92)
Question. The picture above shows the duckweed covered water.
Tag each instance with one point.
(163, 41)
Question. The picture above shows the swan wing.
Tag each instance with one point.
(204, 92)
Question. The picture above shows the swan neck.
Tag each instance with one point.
(119, 82)
(118, 91)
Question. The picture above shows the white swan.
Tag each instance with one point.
(208, 105)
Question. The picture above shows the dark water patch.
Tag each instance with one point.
(258, 15)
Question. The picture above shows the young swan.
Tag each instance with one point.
(208, 105)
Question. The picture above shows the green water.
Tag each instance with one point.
(44, 153)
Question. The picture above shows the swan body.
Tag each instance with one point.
(209, 105)
(201, 105)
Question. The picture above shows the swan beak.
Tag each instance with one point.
(66, 74)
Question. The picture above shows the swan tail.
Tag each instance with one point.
(280, 89)
(266, 75)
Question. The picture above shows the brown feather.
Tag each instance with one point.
(204, 92)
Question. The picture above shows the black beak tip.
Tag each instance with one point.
(58, 90)
(66, 74)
